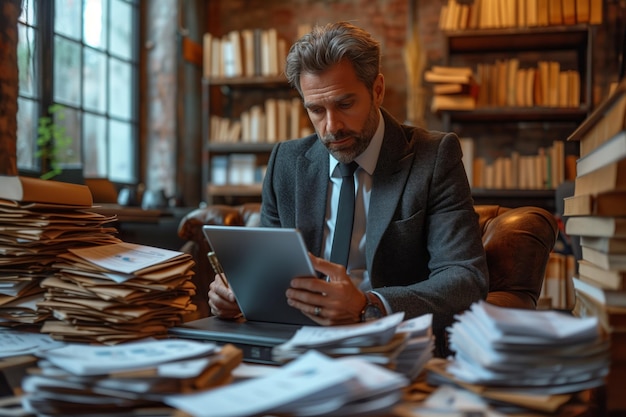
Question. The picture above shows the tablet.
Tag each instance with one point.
(259, 263)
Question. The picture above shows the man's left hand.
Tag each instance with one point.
(327, 302)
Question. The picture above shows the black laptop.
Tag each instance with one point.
(255, 338)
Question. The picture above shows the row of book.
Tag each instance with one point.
(557, 291)
(276, 120)
(597, 215)
(544, 171)
(246, 53)
(490, 14)
(504, 84)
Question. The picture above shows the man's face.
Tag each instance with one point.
(342, 110)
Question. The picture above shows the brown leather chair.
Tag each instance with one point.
(517, 241)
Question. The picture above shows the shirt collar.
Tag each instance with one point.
(368, 159)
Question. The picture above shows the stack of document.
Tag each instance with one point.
(403, 346)
(32, 235)
(116, 293)
(311, 385)
(77, 379)
(545, 351)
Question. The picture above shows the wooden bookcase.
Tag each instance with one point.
(497, 130)
(228, 97)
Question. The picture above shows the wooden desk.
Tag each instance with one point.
(131, 214)
(584, 404)
(153, 227)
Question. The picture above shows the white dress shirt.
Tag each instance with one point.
(363, 189)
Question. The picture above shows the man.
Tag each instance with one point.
(415, 245)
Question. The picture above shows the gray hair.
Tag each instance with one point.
(325, 46)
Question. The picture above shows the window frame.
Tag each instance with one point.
(44, 75)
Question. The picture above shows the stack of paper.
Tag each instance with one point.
(532, 351)
(14, 342)
(404, 346)
(116, 293)
(32, 235)
(312, 385)
(105, 380)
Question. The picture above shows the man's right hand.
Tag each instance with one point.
(222, 300)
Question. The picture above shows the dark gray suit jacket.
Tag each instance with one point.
(424, 251)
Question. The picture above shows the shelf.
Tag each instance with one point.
(518, 114)
(266, 82)
(516, 198)
(240, 147)
(518, 39)
(251, 190)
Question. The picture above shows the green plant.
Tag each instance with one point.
(52, 140)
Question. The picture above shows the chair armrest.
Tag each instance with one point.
(190, 229)
(518, 243)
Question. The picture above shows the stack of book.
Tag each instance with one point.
(117, 293)
(272, 121)
(454, 88)
(491, 14)
(403, 346)
(597, 213)
(39, 220)
(128, 379)
(509, 83)
(528, 352)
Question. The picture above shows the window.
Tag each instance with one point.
(78, 64)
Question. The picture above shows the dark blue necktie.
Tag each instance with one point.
(345, 215)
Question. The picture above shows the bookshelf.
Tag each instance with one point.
(248, 107)
(228, 98)
(499, 129)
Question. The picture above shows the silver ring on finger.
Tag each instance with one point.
(318, 310)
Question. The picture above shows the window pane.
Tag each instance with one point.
(28, 15)
(120, 89)
(26, 60)
(94, 82)
(70, 148)
(121, 29)
(95, 28)
(66, 71)
(95, 146)
(27, 119)
(67, 18)
(122, 151)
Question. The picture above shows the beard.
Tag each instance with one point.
(362, 139)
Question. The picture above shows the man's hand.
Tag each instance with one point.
(222, 300)
(336, 301)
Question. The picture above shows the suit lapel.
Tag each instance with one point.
(389, 179)
(312, 190)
